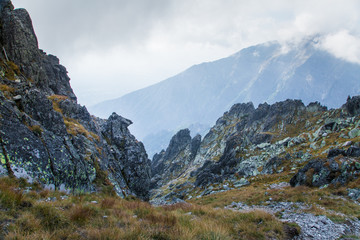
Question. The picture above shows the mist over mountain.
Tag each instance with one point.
(269, 72)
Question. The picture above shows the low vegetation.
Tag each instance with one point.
(30, 212)
(56, 99)
(74, 128)
(72, 125)
(324, 201)
(8, 91)
(9, 69)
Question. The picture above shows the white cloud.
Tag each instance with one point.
(343, 45)
(116, 46)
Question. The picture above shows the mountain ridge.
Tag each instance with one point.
(262, 73)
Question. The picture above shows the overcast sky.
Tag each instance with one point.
(112, 47)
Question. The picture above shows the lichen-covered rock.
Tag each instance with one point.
(354, 133)
(45, 155)
(216, 172)
(318, 173)
(40, 108)
(271, 166)
(354, 193)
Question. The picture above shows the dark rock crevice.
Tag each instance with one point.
(7, 161)
(51, 164)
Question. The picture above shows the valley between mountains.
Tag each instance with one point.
(285, 170)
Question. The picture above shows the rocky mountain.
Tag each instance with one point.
(267, 72)
(294, 161)
(279, 171)
(247, 142)
(45, 135)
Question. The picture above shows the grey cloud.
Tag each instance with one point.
(70, 24)
(140, 40)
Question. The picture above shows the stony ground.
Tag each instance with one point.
(312, 226)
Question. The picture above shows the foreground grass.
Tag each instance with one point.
(30, 212)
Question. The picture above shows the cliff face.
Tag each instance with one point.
(45, 135)
(310, 145)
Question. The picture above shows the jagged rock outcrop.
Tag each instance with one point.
(352, 105)
(127, 159)
(180, 153)
(45, 135)
(221, 155)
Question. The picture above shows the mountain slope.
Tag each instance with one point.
(264, 73)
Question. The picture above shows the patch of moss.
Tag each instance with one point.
(56, 99)
(36, 129)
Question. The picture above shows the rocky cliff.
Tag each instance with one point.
(309, 144)
(45, 135)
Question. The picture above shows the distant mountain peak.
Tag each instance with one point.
(269, 72)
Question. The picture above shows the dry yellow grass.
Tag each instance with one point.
(74, 128)
(56, 99)
(78, 217)
(72, 125)
(7, 90)
(331, 199)
(11, 70)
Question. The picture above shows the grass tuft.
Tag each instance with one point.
(81, 214)
(50, 217)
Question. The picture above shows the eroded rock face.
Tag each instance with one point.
(45, 135)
